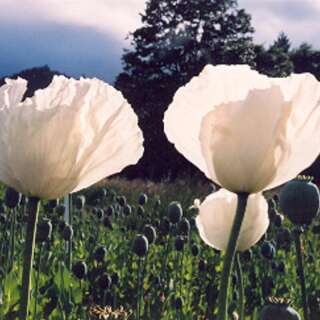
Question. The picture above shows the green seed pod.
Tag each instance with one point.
(12, 198)
(52, 204)
(276, 309)
(127, 210)
(79, 202)
(175, 212)
(150, 232)
(44, 231)
(67, 233)
(140, 246)
(300, 201)
(80, 269)
(143, 199)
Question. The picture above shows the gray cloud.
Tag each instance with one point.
(299, 19)
(72, 50)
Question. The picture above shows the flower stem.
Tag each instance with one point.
(297, 241)
(139, 289)
(241, 288)
(37, 282)
(33, 206)
(229, 256)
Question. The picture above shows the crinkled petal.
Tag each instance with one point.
(303, 125)
(216, 216)
(215, 85)
(11, 93)
(55, 142)
(243, 142)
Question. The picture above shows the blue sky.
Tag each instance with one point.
(81, 37)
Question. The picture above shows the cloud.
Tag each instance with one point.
(69, 49)
(299, 19)
(115, 17)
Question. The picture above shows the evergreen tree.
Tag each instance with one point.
(177, 39)
(37, 77)
(306, 59)
(276, 60)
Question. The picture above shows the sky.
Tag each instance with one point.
(87, 37)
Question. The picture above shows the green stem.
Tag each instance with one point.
(37, 282)
(12, 239)
(229, 256)
(33, 206)
(139, 289)
(241, 288)
(297, 241)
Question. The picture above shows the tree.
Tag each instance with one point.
(306, 59)
(276, 60)
(177, 39)
(38, 78)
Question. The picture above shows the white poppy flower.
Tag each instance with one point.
(247, 132)
(216, 215)
(66, 137)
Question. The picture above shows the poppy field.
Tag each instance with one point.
(132, 251)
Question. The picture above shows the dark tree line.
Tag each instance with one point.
(38, 78)
(177, 39)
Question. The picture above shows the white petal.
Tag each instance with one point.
(11, 93)
(303, 125)
(66, 137)
(243, 142)
(214, 85)
(216, 215)
(117, 143)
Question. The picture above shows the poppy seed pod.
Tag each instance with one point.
(107, 223)
(268, 250)
(143, 199)
(67, 232)
(61, 209)
(202, 265)
(100, 253)
(11, 198)
(278, 220)
(79, 202)
(164, 226)
(278, 311)
(44, 231)
(184, 226)
(179, 243)
(178, 303)
(122, 200)
(150, 232)
(80, 269)
(3, 218)
(175, 212)
(127, 210)
(110, 211)
(140, 246)
(115, 278)
(300, 201)
(104, 282)
(195, 250)
(140, 210)
(52, 204)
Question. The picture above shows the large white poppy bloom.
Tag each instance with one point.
(216, 215)
(66, 137)
(247, 132)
